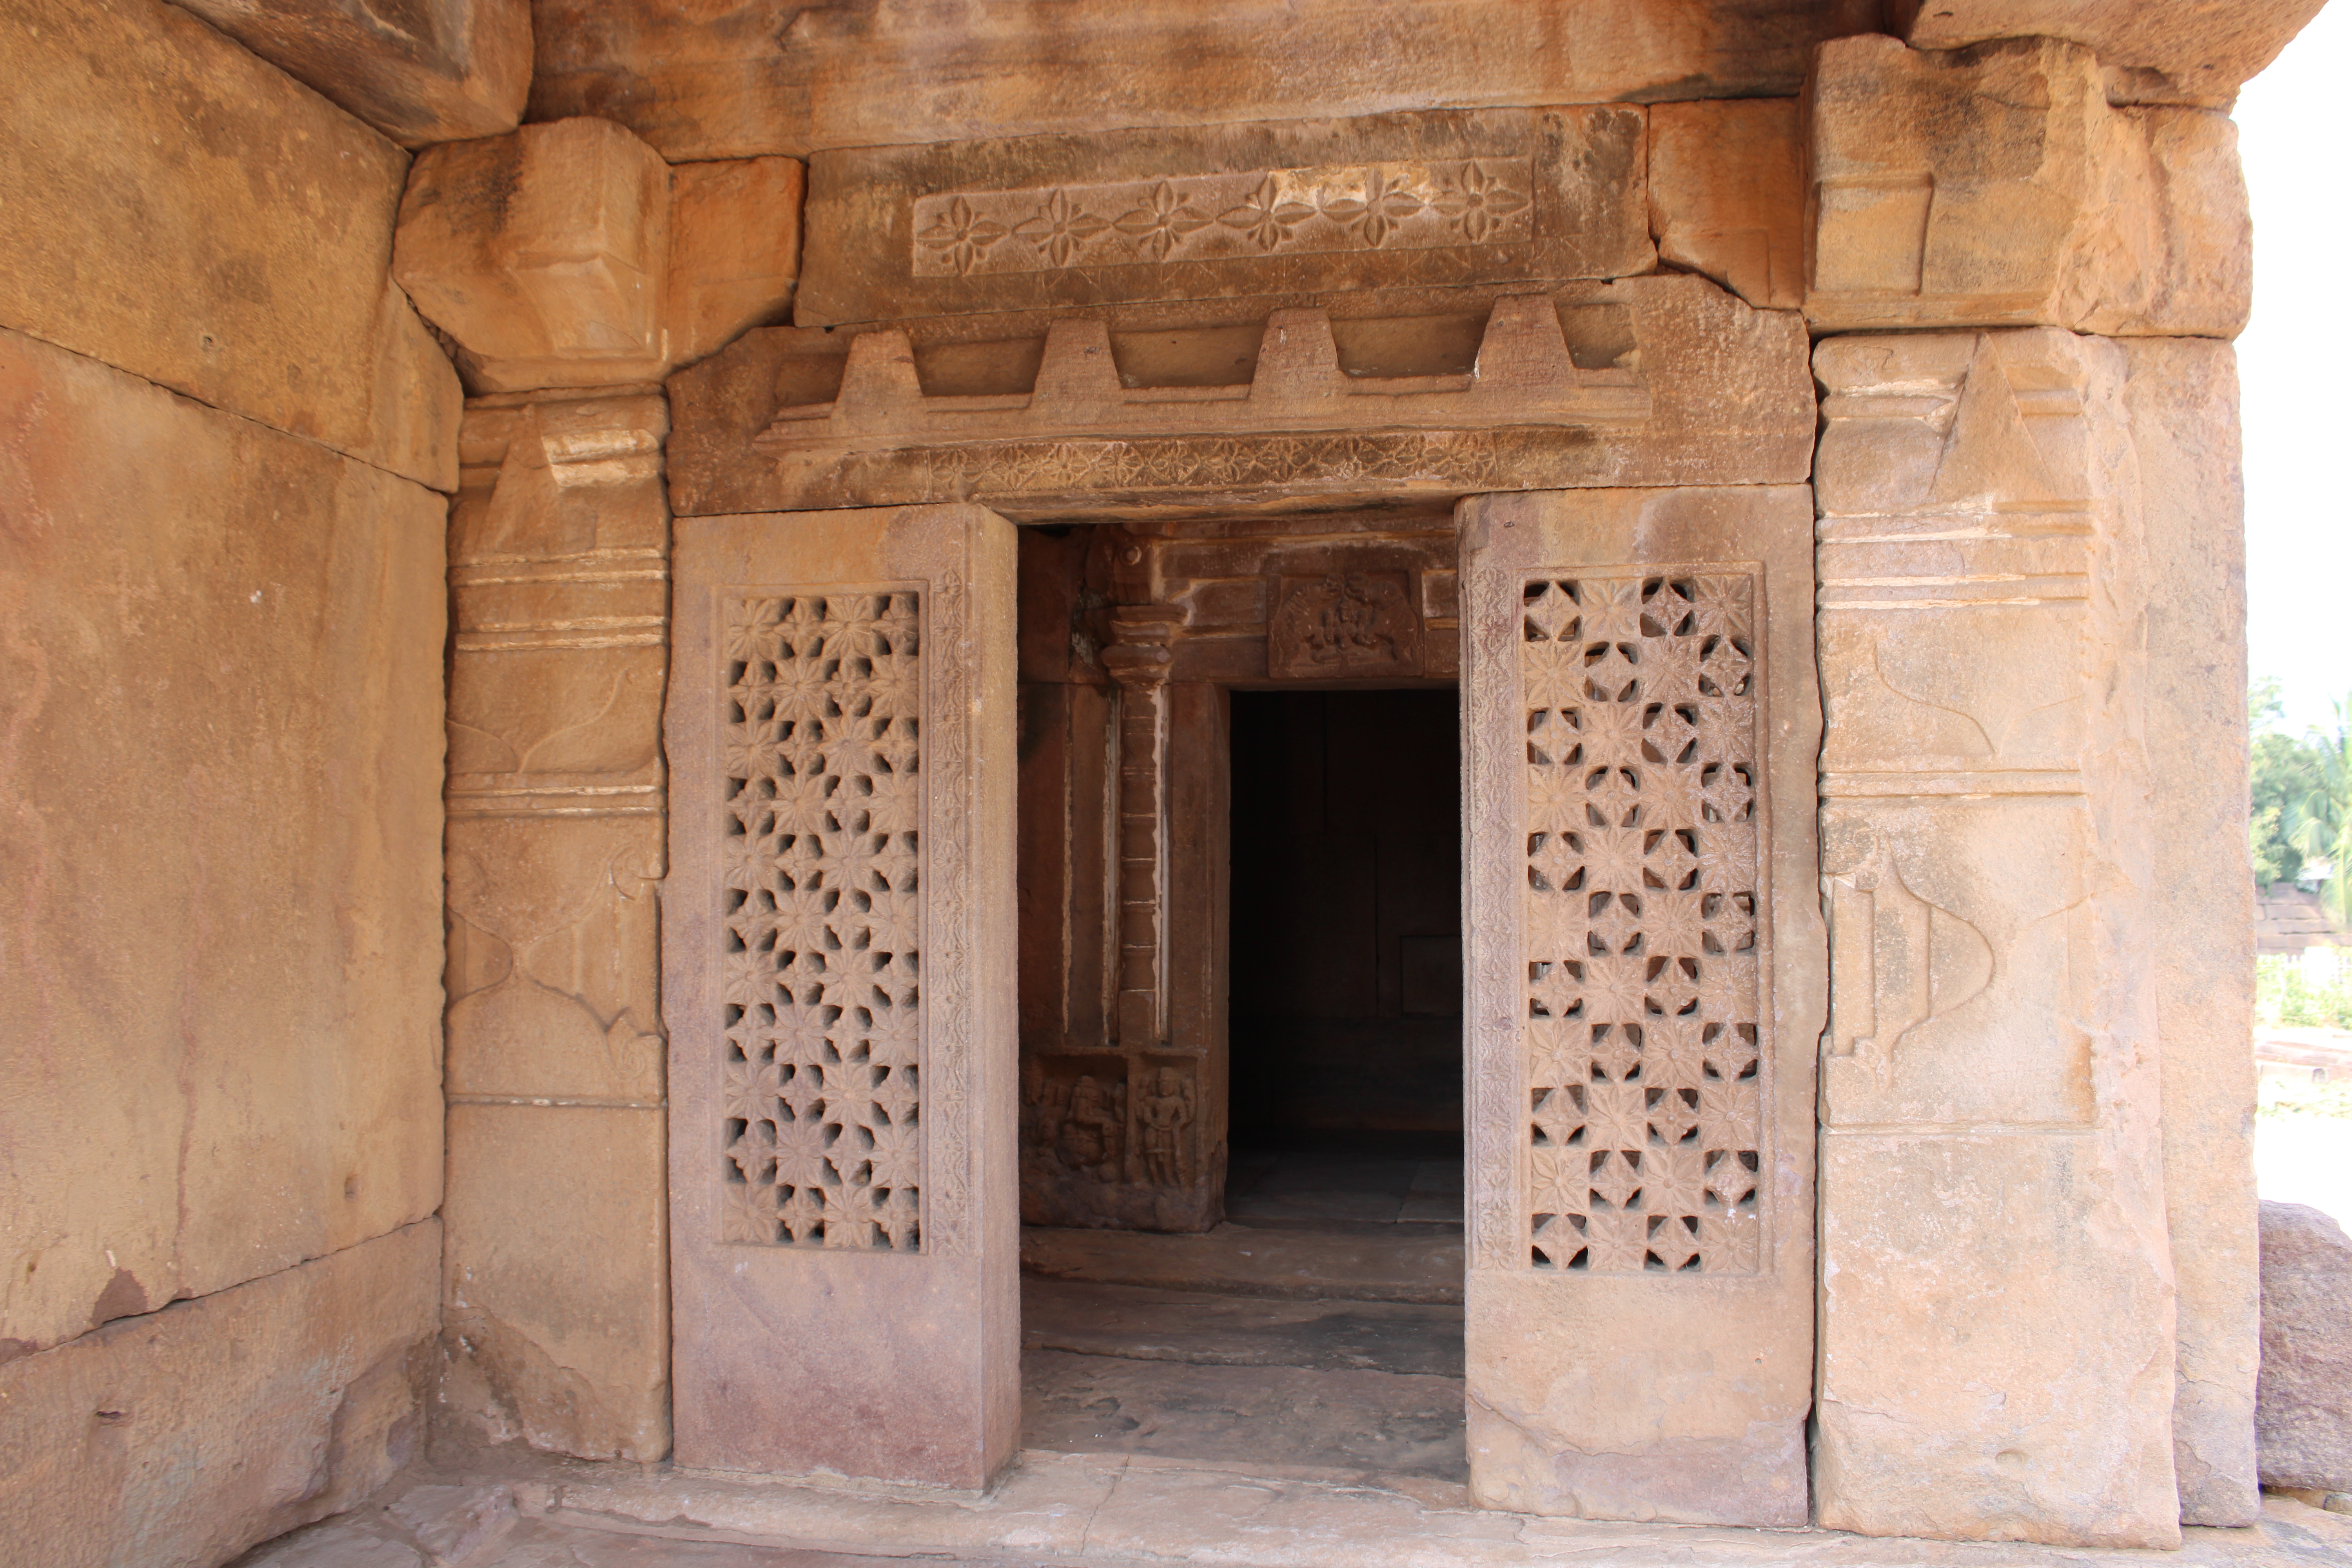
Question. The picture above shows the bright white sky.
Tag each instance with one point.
(2296, 366)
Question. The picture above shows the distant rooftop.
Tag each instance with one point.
(2289, 918)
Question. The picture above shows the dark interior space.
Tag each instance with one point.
(1346, 1014)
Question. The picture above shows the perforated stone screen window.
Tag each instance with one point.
(1642, 1135)
(822, 924)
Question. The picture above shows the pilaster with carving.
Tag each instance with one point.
(559, 584)
(1989, 1080)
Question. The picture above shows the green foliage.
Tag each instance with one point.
(2283, 996)
(2302, 798)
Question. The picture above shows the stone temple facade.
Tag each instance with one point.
(632, 637)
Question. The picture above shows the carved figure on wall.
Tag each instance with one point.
(1347, 623)
(1093, 1132)
(1160, 1122)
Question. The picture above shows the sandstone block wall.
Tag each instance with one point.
(222, 439)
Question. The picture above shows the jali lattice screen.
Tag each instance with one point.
(1643, 1137)
(821, 716)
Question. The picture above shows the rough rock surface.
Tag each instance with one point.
(184, 211)
(2303, 1413)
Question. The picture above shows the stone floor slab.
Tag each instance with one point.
(1093, 1510)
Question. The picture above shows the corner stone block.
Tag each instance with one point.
(2153, 51)
(420, 74)
(735, 249)
(545, 253)
(180, 1437)
(1727, 194)
(1991, 1367)
(555, 1312)
(1996, 186)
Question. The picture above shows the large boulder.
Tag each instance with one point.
(2303, 1404)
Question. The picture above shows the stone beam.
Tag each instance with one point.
(1996, 186)
(700, 83)
(1386, 203)
(442, 71)
(1659, 381)
(2153, 51)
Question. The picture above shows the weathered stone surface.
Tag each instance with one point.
(842, 1176)
(544, 253)
(218, 1027)
(555, 1324)
(1493, 197)
(179, 1438)
(1082, 1506)
(2304, 1417)
(700, 84)
(180, 209)
(454, 1524)
(1646, 381)
(2154, 51)
(1991, 1082)
(2181, 397)
(568, 255)
(1995, 185)
(1727, 194)
(734, 250)
(1641, 1269)
(441, 71)
(1383, 1423)
(559, 578)
(555, 962)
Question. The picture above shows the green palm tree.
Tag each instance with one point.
(2321, 828)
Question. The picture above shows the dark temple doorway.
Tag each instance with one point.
(1346, 991)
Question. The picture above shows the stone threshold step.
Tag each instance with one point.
(1098, 1509)
(1141, 1323)
(1246, 1261)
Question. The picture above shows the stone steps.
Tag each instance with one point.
(1369, 1263)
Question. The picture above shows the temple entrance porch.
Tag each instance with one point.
(1319, 1324)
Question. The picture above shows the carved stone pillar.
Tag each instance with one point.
(1139, 661)
(559, 571)
(1645, 989)
(1997, 1286)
